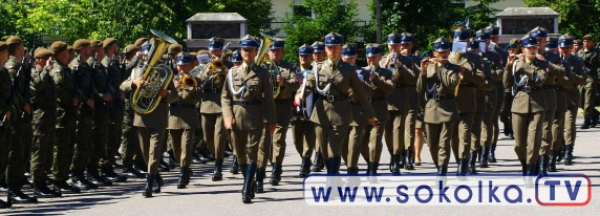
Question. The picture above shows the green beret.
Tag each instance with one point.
(81, 43)
(42, 53)
(140, 41)
(109, 41)
(131, 49)
(13, 40)
(58, 46)
(175, 48)
(587, 37)
(95, 43)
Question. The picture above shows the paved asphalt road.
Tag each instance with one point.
(204, 197)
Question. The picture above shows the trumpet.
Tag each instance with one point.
(392, 65)
(261, 59)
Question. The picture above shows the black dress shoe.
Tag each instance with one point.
(133, 173)
(26, 183)
(3, 186)
(112, 176)
(15, 195)
(5, 204)
(95, 178)
(64, 188)
(40, 189)
(164, 167)
(81, 183)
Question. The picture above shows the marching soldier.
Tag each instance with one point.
(576, 76)
(503, 97)
(16, 148)
(318, 163)
(438, 80)
(43, 90)
(527, 76)
(352, 148)
(288, 83)
(130, 147)
(183, 118)
(465, 100)
(399, 130)
(243, 114)
(591, 60)
(116, 107)
(513, 48)
(549, 89)
(151, 128)
(490, 99)
(212, 82)
(381, 82)
(303, 129)
(332, 81)
(66, 122)
(6, 111)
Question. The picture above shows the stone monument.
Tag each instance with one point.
(203, 26)
(514, 22)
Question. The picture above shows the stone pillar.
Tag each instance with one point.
(556, 25)
(499, 24)
(242, 29)
(189, 31)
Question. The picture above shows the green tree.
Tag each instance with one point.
(578, 17)
(329, 16)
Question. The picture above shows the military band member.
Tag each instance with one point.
(151, 129)
(465, 100)
(513, 48)
(412, 63)
(318, 162)
(591, 58)
(501, 109)
(236, 59)
(438, 81)
(380, 83)
(66, 122)
(242, 111)
(288, 83)
(397, 136)
(303, 130)
(183, 118)
(576, 76)
(43, 90)
(549, 89)
(212, 82)
(527, 76)
(352, 148)
(332, 112)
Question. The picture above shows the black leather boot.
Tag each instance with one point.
(205, 154)
(568, 155)
(586, 123)
(483, 160)
(459, 167)
(552, 166)
(408, 164)
(247, 190)
(333, 165)
(64, 188)
(472, 162)
(15, 195)
(158, 183)
(172, 162)
(560, 153)
(110, 173)
(352, 171)
(80, 182)
(183, 172)
(318, 162)
(95, 178)
(235, 169)
(3, 185)
(276, 174)
(41, 190)
(217, 175)
(149, 184)
(261, 173)
(442, 170)
(5, 204)
(305, 167)
(543, 165)
(492, 157)
(394, 164)
(400, 161)
(465, 166)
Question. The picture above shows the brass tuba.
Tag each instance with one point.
(261, 59)
(145, 99)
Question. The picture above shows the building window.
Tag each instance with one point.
(300, 10)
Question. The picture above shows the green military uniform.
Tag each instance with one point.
(438, 83)
(246, 88)
(591, 59)
(6, 125)
(353, 146)
(302, 129)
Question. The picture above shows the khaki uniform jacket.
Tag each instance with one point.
(442, 80)
(185, 117)
(404, 79)
(211, 83)
(537, 73)
(380, 87)
(471, 78)
(575, 76)
(342, 77)
(359, 118)
(159, 118)
(257, 83)
(284, 103)
(553, 100)
(485, 95)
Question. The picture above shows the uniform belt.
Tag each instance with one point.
(332, 98)
(354, 102)
(528, 89)
(549, 86)
(177, 105)
(375, 99)
(560, 88)
(404, 86)
(467, 85)
(245, 103)
(440, 96)
(212, 90)
(283, 101)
